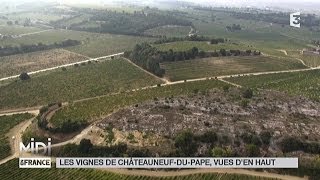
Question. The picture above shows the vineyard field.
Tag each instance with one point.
(86, 80)
(169, 31)
(16, 64)
(94, 109)
(93, 44)
(296, 83)
(8, 122)
(217, 66)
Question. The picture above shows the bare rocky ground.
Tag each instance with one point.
(226, 113)
(223, 112)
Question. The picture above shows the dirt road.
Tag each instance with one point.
(17, 133)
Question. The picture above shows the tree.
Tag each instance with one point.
(24, 76)
(185, 144)
(223, 52)
(9, 23)
(85, 146)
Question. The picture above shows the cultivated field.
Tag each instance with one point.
(8, 122)
(94, 109)
(217, 66)
(16, 64)
(204, 46)
(87, 80)
(17, 30)
(94, 44)
(295, 83)
(40, 16)
(11, 170)
(169, 31)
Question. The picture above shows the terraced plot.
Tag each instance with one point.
(11, 170)
(8, 122)
(210, 67)
(16, 64)
(295, 83)
(87, 80)
(169, 31)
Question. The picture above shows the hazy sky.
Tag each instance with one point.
(315, 4)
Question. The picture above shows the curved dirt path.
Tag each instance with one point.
(17, 133)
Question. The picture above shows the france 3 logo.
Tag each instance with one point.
(295, 19)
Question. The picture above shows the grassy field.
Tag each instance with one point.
(16, 64)
(17, 30)
(8, 122)
(296, 83)
(169, 31)
(11, 170)
(204, 46)
(94, 44)
(75, 83)
(218, 66)
(96, 108)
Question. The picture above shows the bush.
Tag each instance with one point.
(248, 93)
(85, 146)
(245, 103)
(265, 137)
(221, 152)
(252, 150)
(208, 137)
(24, 76)
(186, 144)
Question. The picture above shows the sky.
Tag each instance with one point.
(315, 4)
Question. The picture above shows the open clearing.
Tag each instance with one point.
(87, 80)
(217, 66)
(296, 83)
(16, 64)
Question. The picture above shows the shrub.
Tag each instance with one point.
(248, 93)
(252, 150)
(24, 76)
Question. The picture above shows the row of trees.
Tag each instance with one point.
(290, 144)
(149, 57)
(190, 38)
(11, 50)
(234, 27)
